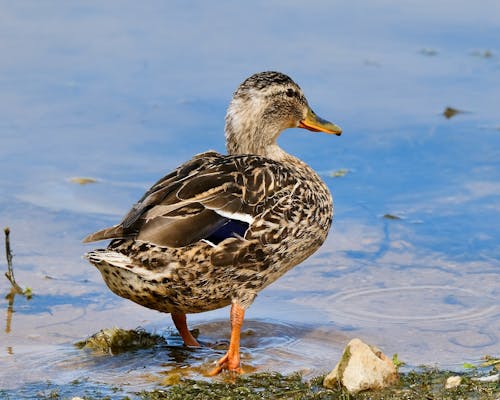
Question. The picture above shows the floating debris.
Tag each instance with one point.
(490, 361)
(116, 340)
(428, 52)
(339, 173)
(391, 216)
(482, 53)
(82, 180)
(450, 112)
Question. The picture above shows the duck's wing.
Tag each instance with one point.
(211, 197)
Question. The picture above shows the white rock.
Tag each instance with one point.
(362, 367)
(489, 378)
(453, 382)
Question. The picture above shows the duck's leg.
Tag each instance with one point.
(231, 361)
(181, 325)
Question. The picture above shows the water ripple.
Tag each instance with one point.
(406, 304)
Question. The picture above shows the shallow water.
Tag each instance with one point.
(114, 93)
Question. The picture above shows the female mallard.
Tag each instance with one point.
(220, 228)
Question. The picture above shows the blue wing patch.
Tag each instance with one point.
(231, 228)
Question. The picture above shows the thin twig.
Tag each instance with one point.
(10, 270)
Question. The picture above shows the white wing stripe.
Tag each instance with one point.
(238, 216)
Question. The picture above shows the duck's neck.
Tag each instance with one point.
(250, 134)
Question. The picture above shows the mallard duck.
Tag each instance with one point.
(220, 228)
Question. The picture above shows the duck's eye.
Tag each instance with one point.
(291, 93)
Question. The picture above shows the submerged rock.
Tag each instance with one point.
(362, 367)
(116, 340)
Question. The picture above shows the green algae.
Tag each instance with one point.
(397, 362)
(420, 384)
(423, 384)
(116, 340)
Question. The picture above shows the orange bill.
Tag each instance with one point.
(317, 124)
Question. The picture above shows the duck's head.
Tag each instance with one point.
(262, 107)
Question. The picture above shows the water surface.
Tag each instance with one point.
(124, 93)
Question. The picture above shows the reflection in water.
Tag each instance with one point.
(10, 309)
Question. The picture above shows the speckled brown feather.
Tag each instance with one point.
(286, 229)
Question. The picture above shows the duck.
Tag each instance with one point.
(220, 228)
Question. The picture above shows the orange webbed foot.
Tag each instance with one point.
(231, 360)
(231, 364)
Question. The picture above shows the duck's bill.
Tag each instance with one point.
(317, 124)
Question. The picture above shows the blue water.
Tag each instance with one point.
(124, 92)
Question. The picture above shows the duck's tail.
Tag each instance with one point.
(114, 232)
